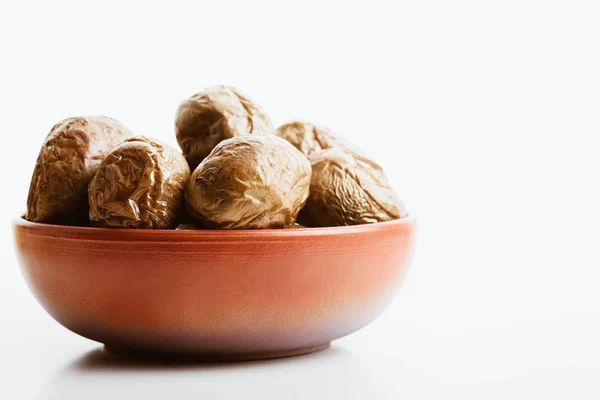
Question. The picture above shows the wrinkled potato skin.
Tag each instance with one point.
(67, 162)
(213, 115)
(347, 189)
(249, 182)
(310, 138)
(139, 185)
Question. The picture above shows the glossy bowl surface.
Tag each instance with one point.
(215, 294)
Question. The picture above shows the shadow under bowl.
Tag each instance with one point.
(213, 294)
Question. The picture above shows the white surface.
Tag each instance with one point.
(484, 114)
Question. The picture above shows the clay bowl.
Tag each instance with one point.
(214, 294)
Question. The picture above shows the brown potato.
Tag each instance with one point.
(348, 189)
(249, 182)
(310, 138)
(139, 185)
(213, 115)
(67, 162)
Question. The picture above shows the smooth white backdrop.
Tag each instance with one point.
(483, 113)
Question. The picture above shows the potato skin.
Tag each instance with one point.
(249, 182)
(213, 115)
(348, 189)
(310, 138)
(139, 185)
(67, 162)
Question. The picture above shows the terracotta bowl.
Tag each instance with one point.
(214, 294)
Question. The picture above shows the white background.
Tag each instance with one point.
(485, 115)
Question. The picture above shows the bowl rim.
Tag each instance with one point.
(128, 234)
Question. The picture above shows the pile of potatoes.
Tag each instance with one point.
(234, 171)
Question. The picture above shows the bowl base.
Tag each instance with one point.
(210, 357)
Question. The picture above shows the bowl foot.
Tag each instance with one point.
(208, 357)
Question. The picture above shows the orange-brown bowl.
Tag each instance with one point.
(214, 294)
